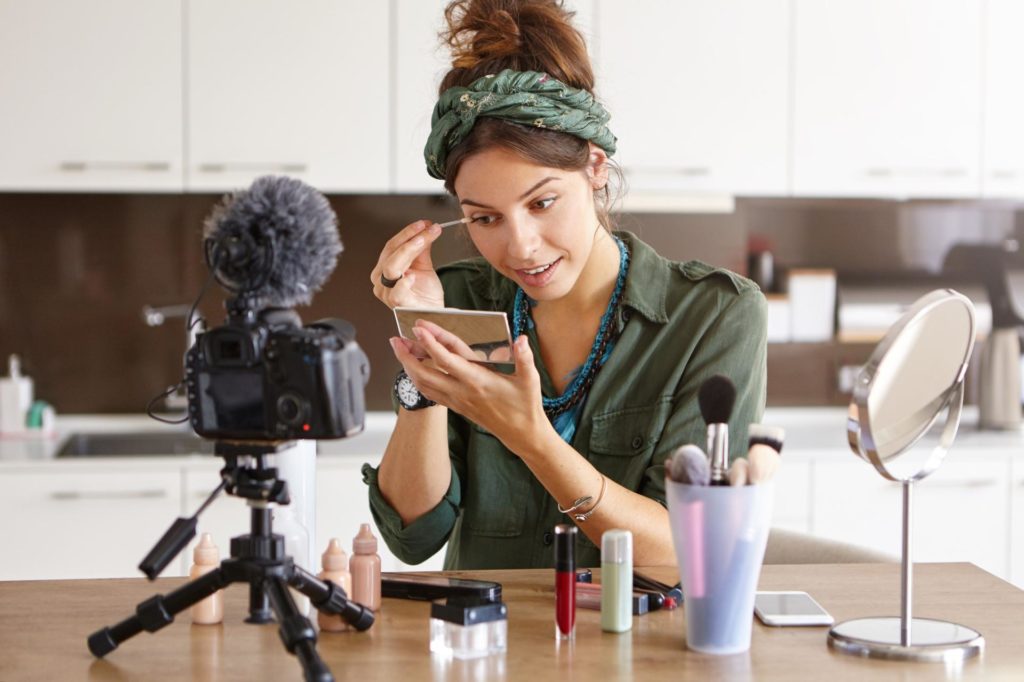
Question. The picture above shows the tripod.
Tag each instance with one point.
(257, 558)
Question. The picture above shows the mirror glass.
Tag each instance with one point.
(913, 376)
(477, 335)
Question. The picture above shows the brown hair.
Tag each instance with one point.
(488, 36)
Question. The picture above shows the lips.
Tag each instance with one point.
(540, 275)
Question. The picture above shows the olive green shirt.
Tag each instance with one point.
(680, 324)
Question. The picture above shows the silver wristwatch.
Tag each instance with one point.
(409, 397)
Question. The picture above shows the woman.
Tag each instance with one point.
(612, 342)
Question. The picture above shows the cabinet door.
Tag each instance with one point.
(278, 87)
(697, 92)
(91, 95)
(1003, 174)
(84, 523)
(421, 62)
(342, 503)
(960, 513)
(886, 98)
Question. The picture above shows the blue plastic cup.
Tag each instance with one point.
(719, 534)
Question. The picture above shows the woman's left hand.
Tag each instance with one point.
(507, 405)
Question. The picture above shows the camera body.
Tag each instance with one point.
(264, 377)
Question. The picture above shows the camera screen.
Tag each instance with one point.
(235, 400)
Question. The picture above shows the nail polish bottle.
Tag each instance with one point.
(335, 569)
(565, 581)
(205, 556)
(616, 580)
(365, 569)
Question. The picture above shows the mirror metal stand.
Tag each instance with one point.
(905, 637)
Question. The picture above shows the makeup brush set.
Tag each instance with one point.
(689, 464)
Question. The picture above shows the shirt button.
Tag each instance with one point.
(549, 537)
(637, 442)
(626, 314)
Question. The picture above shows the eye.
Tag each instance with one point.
(544, 203)
(483, 219)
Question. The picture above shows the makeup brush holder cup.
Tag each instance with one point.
(719, 533)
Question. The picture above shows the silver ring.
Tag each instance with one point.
(389, 283)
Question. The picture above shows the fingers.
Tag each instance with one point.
(449, 362)
(402, 250)
(430, 381)
(447, 339)
(526, 371)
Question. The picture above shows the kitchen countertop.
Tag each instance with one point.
(810, 431)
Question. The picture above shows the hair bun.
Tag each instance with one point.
(488, 36)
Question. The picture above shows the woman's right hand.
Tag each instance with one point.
(406, 258)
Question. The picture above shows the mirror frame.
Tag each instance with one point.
(858, 425)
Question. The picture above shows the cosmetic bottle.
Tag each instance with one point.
(16, 392)
(616, 580)
(467, 628)
(205, 556)
(565, 581)
(335, 569)
(365, 569)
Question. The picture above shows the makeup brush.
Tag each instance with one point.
(763, 461)
(454, 222)
(716, 398)
(738, 472)
(772, 436)
(688, 464)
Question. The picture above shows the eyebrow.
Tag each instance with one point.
(525, 194)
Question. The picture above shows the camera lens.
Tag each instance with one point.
(291, 409)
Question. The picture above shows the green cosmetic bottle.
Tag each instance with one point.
(616, 581)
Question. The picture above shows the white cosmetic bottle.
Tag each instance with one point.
(16, 394)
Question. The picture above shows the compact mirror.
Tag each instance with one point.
(478, 335)
(914, 376)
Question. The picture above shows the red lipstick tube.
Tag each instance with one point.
(565, 581)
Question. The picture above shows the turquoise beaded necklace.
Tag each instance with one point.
(599, 352)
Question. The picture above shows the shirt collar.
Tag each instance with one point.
(647, 279)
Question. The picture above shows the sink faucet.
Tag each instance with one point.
(155, 317)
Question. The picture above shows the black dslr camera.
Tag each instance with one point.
(262, 375)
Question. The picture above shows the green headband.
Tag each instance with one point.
(525, 97)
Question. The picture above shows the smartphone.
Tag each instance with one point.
(431, 587)
(484, 334)
(789, 608)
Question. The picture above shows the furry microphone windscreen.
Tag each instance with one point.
(716, 398)
(276, 241)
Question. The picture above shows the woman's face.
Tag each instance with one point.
(533, 224)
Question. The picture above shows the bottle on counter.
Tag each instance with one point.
(365, 569)
(206, 557)
(16, 394)
(335, 569)
(616, 580)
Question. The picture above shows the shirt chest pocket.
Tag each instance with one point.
(497, 490)
(622, 441)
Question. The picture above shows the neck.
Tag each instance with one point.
(596, 282)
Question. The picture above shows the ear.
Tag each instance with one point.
(597, 167)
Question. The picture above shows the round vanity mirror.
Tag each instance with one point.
(914, 376)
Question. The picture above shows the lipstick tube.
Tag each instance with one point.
(565, 581)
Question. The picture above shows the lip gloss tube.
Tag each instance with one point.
(565, 581)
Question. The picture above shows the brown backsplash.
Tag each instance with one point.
(77, 269)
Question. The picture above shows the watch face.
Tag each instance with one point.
(408, 394)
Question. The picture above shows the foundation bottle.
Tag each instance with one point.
(365, 568)
(205, 556)
(335, 569)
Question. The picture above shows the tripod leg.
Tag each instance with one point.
(156, 612)
(259, 607)
(330, 598)
(296, 631)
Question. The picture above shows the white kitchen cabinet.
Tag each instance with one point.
(82, 522)
(90, 95)
(421, 61)
(1017, 523)
(1003, 160)
(887, 98)
(960, 513)
(698, 93)
(276, 87)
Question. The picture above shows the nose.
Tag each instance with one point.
(523, 239)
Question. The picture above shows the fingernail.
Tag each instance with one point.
(418, 241)
(417, 332)
(394, 343)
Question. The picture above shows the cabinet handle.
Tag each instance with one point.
(82, 166)
(888, 172)
(968, 483)
(688, 171)
(1004, 174)
(65, 495)
(285, 167)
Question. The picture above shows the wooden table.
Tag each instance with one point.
(44, 625)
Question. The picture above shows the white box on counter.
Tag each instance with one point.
(812, 304)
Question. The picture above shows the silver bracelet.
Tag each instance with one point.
(583, 516)
(577, 503)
